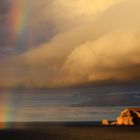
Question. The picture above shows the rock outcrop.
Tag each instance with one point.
(130, 116)
(105, 122)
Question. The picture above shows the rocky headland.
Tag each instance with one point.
(129, 116)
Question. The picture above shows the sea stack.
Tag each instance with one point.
(129, 116)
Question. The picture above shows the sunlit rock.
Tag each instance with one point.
(130, 116)
(105, 122)
(125, 118)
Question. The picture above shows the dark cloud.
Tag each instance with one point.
(4, 8)
(111, 96)
(29, 30)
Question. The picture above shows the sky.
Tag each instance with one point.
(68, 43)
(66, 104)
(54, 43)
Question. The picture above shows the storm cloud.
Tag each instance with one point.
(81, 41)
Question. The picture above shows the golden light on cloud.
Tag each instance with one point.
(93, 41)
(66, 14)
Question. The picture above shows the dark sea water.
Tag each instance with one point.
(67, 104)
(70, 131)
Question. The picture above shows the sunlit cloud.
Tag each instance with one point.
(76, 42)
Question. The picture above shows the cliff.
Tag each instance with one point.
(129, 116)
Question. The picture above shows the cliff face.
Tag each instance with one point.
(130, 116)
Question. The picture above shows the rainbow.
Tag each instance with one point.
(18, 23)
(10, 105)
(18, 32)
(5, 112)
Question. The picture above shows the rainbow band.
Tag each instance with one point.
(18, 18)
(17, 26)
